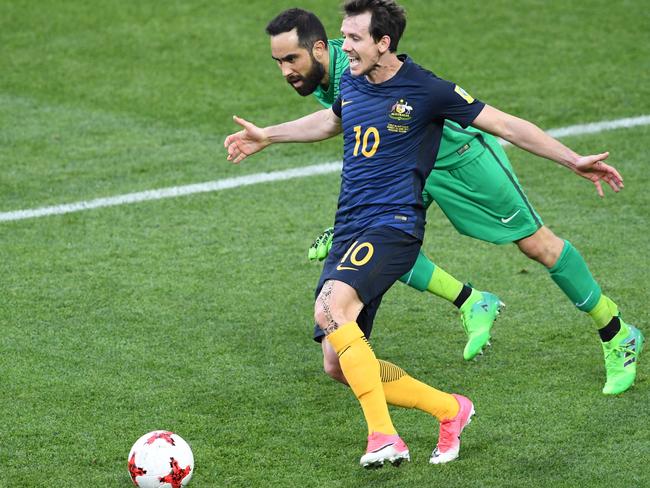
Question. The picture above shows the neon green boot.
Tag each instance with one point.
(478, 317)
(621, 357)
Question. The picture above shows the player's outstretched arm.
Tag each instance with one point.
(251, 139)
(531, 138)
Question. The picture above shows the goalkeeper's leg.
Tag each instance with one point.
(622, 343)
(478, 309)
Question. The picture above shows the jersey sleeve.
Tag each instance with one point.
(336, 107)
(456, 104)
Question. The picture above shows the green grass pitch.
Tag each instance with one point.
(194, 314)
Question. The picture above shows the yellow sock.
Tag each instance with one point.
(404, 391)
(361, 369)
(603, 312)
(444, 285)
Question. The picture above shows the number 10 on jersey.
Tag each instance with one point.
(370, 131)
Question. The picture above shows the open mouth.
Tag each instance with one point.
(354, 61)
(295, 82)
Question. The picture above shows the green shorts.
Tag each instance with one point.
(483, 198)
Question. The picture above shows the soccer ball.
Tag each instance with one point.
(161, 459)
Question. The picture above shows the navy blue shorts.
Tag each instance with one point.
(370, 263)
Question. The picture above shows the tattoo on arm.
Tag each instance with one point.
(324, 297)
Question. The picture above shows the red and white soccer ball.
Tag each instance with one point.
(161, 459)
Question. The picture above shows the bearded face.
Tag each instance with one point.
(298, 65)
(306, 84)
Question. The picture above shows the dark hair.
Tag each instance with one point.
(309, 27)
(387, 18)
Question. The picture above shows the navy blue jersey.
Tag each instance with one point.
(391, 134)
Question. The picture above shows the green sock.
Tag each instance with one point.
(573, 277)
(420, 273)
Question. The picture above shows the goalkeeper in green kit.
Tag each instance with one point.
(475, 186)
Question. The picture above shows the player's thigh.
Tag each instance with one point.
(483, 199)
(370, 264)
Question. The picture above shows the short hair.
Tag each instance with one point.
(308, 27)
(387, 18)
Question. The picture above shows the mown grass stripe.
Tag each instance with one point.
(253, 179)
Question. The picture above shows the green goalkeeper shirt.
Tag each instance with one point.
(457, 145)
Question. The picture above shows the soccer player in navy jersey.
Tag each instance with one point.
(310, 66)
(391, 112)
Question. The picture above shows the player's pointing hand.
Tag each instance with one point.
(249, 140)
(596, 170)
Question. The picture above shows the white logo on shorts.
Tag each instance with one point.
(505, 221)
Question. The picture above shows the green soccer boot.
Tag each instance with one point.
(478, 317)
(621, 356)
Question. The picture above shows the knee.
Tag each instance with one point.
(543, 246)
